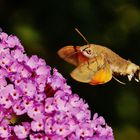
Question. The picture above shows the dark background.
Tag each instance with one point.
(45, 26)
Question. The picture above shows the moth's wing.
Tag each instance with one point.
(72, 55)
(103, 75)
(82, 73)
(93, 72)
(85, 71)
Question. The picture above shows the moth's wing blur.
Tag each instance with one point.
(93, 72)
(83, 73)
(72, 55)
(68, 54)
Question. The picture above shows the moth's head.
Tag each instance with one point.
(87, 51)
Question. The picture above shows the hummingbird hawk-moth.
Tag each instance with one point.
(96, 64)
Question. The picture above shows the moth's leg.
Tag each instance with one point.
(100, 66)
(93, 61)
(88, 65)
(97, 60)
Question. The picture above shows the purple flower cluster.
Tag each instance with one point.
(37, 104)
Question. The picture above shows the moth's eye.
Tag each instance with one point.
(88, 52)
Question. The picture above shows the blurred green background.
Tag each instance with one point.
(45, 26)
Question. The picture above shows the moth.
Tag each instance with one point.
(96, 64)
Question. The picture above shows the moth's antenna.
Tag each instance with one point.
(81, 35)
(118, 80)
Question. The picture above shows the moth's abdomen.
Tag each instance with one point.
(128, 69)
(119, 65)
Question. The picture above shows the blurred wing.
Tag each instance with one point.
(83, 73)
(93, 72)
(72, 55)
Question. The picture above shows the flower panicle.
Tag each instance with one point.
(37, 104)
